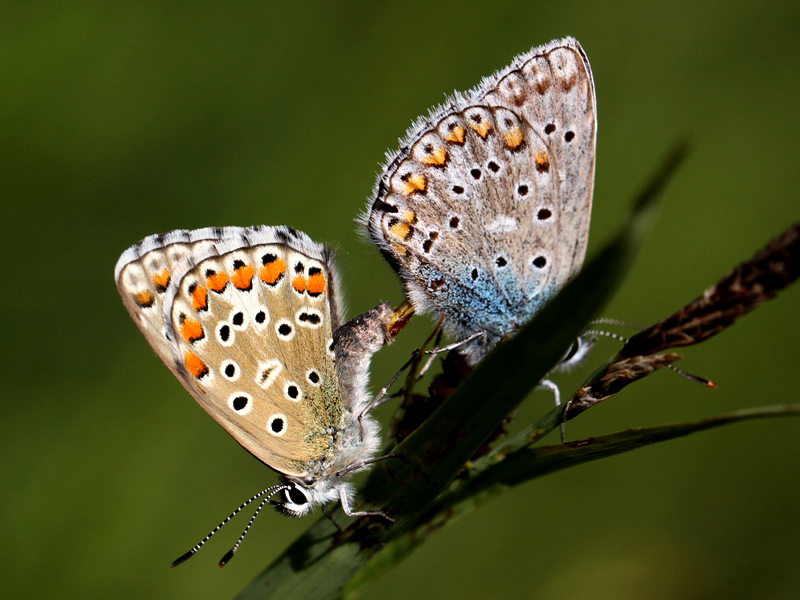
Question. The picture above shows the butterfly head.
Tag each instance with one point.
(577, 353)
(300, 498)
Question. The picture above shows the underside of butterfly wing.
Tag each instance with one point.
(485, 211)
(246, 324)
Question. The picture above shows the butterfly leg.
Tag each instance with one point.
(331, 519)
(440, 349)
(381, 397)
(365, 463)
(455, 345)
(413, 377)
(345, 500)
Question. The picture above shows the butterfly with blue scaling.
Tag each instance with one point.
(248, 320)
(484, 211)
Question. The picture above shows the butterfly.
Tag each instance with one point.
(249, 321)
(484, 211)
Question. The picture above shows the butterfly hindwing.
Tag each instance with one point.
(246, 324)
(145, 272)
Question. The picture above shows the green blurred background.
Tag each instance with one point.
(118, 120)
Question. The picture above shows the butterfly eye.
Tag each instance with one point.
(573, 350)
(296, 496)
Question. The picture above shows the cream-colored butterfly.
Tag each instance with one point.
(248, 320)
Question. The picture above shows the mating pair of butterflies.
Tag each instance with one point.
(483, 213)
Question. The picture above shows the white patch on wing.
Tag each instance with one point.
(502, 224)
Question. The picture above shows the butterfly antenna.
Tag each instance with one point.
(270, 490)
(609, 334)
(617, 322)
(693, 378)
(681, 372)
(232, 551)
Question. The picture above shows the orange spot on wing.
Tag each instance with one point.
(271, 272)
(482, 129)
(542, 161)
(192, 331)
(144, 299)
(218, 281)
(400, 229)
(200, 298)
(410, 216)
(513, 138)
(243, 277)
(316, 284)
(300, 283)
(436, 158)
(195, 365)
(399, 250)
(414, 183)
(456, 135)
(161, 280)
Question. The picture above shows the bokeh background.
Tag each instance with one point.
(118, 120)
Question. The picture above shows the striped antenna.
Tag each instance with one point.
(619, 338)
(271, 491)
(617, 322)
(232, 551)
